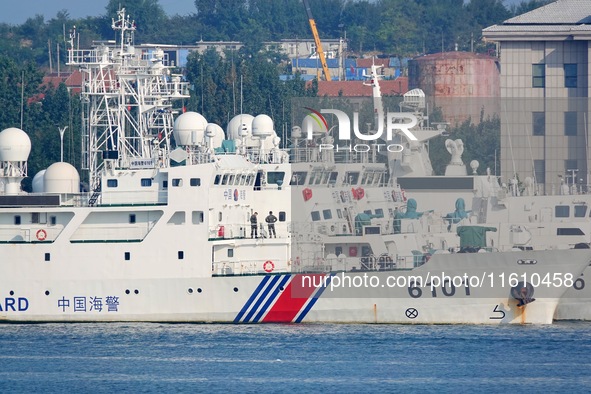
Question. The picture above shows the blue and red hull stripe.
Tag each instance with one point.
(282, 299)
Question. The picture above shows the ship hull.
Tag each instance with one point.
(576, 302)
(337, 297)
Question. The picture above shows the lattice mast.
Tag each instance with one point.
(127, 97)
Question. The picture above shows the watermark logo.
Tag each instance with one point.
(393, 123)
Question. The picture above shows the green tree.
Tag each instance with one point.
(149, 16)
(482, 142)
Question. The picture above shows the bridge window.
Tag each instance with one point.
(351, 177)
(176, 182)
(333, 178)
(298, 178)
(315, 216)
(195, 182)
(569, 231)
(327, 214)
(282, 216)
(146, 182)
(275, 177)
(197, 217)
(111, 182)
(562, 211)
(580, 211)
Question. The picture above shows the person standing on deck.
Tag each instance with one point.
(271, 219)
(253, 225)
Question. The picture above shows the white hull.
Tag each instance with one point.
(289, 298)
(576, 302)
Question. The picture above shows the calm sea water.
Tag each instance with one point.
(289, 358)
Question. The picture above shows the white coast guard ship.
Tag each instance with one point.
(164, 232)
(524, 218)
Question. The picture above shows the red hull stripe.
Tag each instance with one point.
(292, 299)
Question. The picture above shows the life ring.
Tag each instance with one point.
(41, 235)
(268, 266)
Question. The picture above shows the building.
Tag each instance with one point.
(356, 89)
(464, 85)
(293, 48)
(544, 58)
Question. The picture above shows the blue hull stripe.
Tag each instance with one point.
(313, 301)
(261, 298)
(251, 299)
(271, 299)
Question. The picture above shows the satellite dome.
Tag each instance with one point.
(262, 126)
(189, 129)
(38, 184)
(61, 178)
(239, 126)
(216, 133)
(15, 145)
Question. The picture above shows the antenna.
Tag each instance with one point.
(22, 97)
(62, 131)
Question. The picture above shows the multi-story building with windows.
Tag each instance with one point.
(545, 76)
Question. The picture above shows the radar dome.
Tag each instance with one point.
(262, 126)
(189, 129)
(38, 184)
(216, 134)
(61, 178)
(15, 145)
(239, 126)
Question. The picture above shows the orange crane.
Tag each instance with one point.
(317, 41)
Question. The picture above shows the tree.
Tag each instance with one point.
(482, 141)
(148, 15)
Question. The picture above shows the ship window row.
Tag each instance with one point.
(321, 177)
(234, 179)
(563, 211)
(327, 214)
(37, 218)
(179, 218)
(147, 182)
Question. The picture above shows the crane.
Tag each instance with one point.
(317, 41)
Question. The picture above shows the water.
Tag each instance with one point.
(112, 357)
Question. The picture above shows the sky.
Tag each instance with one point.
(17, 12)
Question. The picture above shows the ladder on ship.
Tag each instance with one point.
(96, 192)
